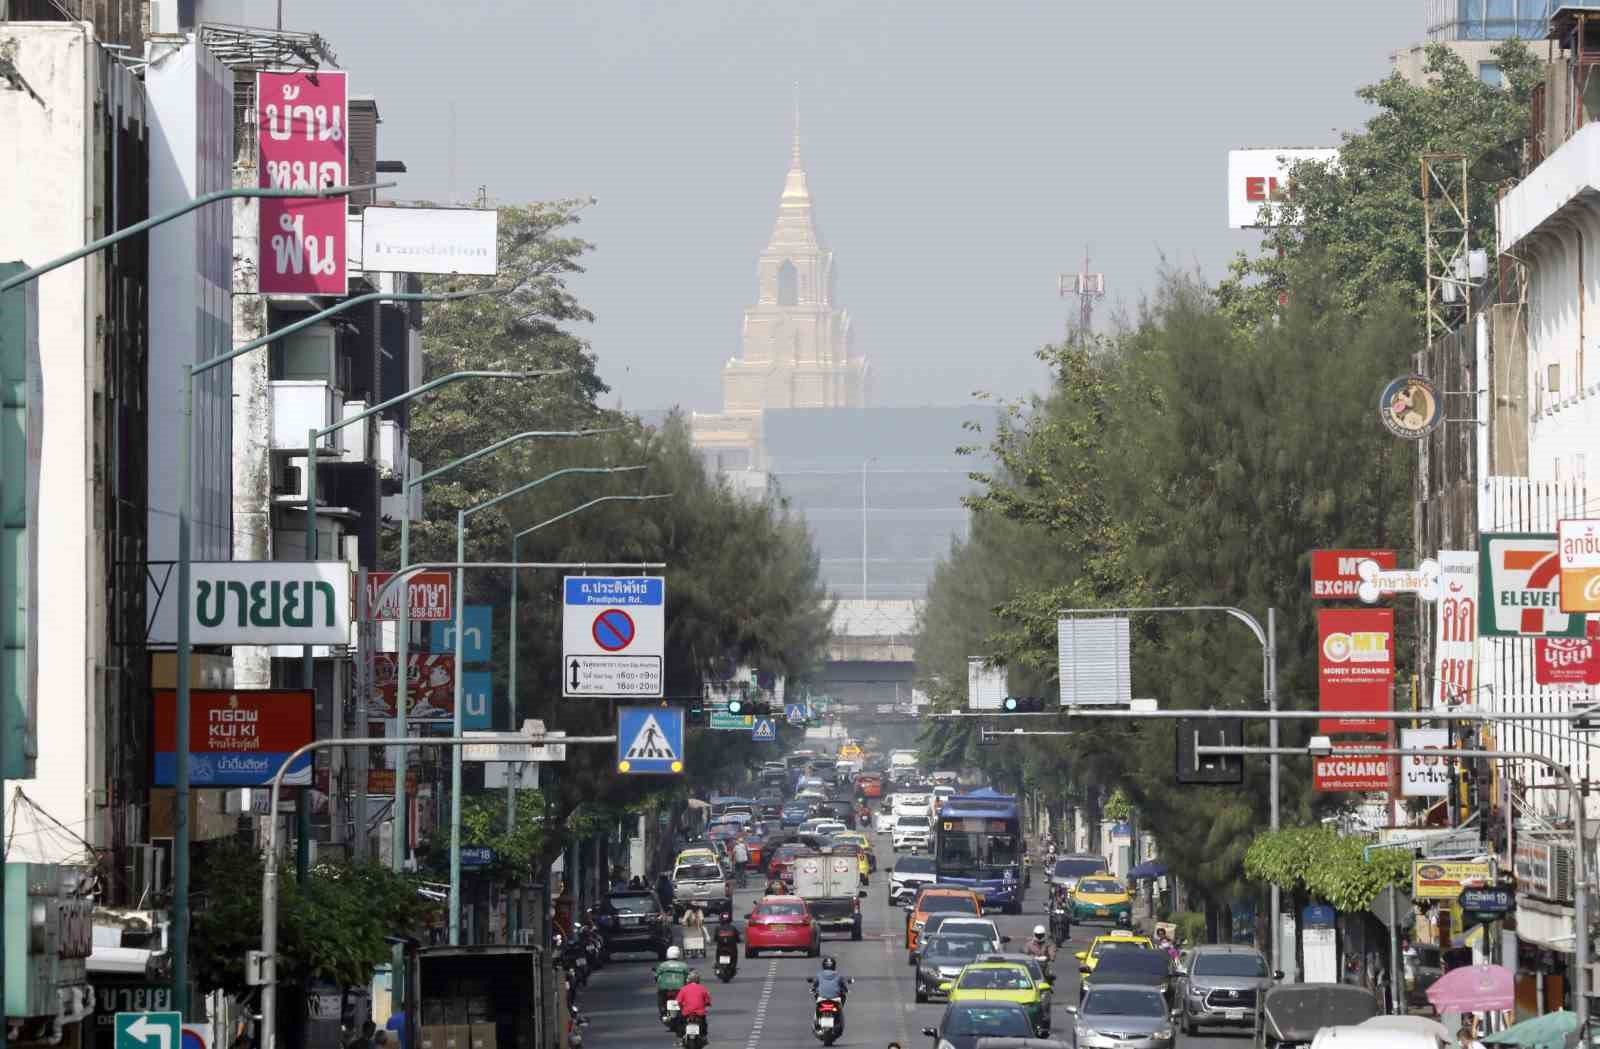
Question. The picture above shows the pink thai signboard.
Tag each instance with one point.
(300, 119)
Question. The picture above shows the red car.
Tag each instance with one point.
(869, 785)
(781, 923)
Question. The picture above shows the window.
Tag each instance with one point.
(788, 284)
(1240, 965)
(1489, 73)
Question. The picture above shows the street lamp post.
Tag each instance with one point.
(1269, 686)
(461, 600)
(397, 727)
(185, 647)
(180, 820)
(308, 664)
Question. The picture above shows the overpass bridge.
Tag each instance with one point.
(871, 658)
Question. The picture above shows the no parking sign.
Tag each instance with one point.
(613, 636)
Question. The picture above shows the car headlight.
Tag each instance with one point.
(1166, 1034)
(917, 926)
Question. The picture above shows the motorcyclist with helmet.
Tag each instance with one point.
(1041, 948)
(671, 975)
(728, 940)
(829, 982)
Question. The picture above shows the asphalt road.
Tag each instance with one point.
(768, 1005)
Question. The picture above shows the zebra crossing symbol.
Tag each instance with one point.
(650, 739)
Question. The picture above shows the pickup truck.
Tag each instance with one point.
(706, 884)
(830, 883)
(488, 996)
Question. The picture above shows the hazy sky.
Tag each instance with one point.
(960, 152)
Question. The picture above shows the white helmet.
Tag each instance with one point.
(1038, 932)
(673, 954)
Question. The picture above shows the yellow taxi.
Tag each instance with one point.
(1116, 941)
(1002, 982)
(697, 854)
(1100, 898)
(850, 752)
(868, 853)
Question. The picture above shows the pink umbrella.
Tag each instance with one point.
(1474, 989)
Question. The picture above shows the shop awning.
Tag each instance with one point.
(1474, 989)
(1550, 1031)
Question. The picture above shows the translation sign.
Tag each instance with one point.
(613, 636)
(429, 591)
(303, 146)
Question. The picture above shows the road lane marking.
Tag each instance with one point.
(761, 1006)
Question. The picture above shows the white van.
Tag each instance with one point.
(1385, 1032)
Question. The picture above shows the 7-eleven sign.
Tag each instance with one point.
(1519, 587)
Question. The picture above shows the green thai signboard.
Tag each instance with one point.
(21, 423)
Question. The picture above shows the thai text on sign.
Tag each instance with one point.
(301, 124)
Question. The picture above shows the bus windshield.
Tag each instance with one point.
(977, 847)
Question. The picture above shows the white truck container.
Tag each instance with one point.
(831, 887)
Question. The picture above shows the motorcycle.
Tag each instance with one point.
(727, 961)
(1060, 918)
(574, 958)
(694, 1033)
(828, 1023)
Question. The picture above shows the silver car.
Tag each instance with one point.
(1218, 985)
(1123, 1016)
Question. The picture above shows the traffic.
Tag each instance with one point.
(883, 906)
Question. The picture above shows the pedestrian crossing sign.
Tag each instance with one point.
(649, 740)
(796, 713)
(763, 731)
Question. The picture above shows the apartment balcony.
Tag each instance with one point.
(300, 406)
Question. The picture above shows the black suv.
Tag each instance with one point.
(634, 920)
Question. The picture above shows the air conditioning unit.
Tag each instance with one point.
(289, 478)
(1563, 872)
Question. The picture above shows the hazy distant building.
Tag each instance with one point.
(1473, 29)
(796, 350)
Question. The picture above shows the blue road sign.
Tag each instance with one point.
(649, 740)
(477, 624)
(477, 699)
(476, 856)
(795, 712)
(764, 731)
(148, 1030)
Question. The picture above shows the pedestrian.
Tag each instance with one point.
(1466, 1038)
(397, 1025)
(380, 1040)
(664, 890)
(364, 1039)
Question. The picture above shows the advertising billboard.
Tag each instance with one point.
(1355, 666)
(1455, 650)
(303, 144)
(430, 596)
(1519, 592)
(1261, 176)
(430, 240)
(1353, 772)
(259, 603)
(1336, 574)
(1422, 777)
(1444, 879)
(236, 738)
(1566, 660)
(430, 687)
(1579, 542)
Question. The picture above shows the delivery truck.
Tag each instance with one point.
(482, 997)
(831, 886)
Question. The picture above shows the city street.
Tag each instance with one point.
(768, 1005)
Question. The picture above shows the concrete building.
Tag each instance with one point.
(1473, 29)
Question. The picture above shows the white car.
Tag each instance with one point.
(829, 827)
(912, 832)
(884, 821)
(908, 875)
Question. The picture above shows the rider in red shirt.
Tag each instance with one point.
(694, 1000)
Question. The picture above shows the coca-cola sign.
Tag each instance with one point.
(1567, 660)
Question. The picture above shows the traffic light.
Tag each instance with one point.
(741, 707)
(696, 714)
(1022, 705)
(1212, 769)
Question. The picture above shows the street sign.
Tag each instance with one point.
(477, 700)
(649, 740)
(1215, 769)
(477, 626)
(796, 713)
(613, 636)
(726, 722)
(148, 1030)
(764, 731)
(1493, 902)
(430, 594)
(1392, 905)
(514, 746)
(476, 856)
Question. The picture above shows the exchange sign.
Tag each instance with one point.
(1336, 574)
(1351, 771)
(1355, 666)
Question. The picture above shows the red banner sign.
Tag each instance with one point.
(1334, 575)
(1355, 666)
(302, 132)
(430, 597)
(1364, 773)
(1568, 660)
(430, 687)
(236, 738)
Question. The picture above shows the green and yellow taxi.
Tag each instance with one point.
(1100, 899)
(855, 837)
(1002, 982)
(1116, 941)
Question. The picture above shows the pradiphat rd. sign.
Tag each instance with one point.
(259, 603)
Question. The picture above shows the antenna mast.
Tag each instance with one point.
(1088, 287)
